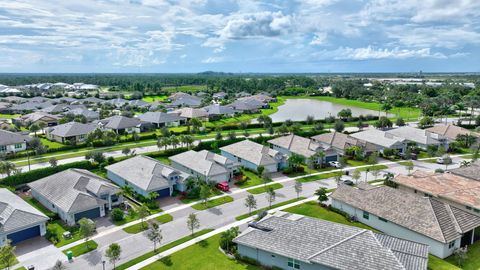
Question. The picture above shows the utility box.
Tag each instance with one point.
(70, 255)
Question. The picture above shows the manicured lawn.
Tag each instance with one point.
(264, 189)
(59, 229)
(154, 98)
(318, 177)
(253, 179)
(50, 144)
(164, 218)
(9, 116)
(163, 160)
(201, 256)
(39, 206)
(313, 209)
(82, 248)
(244, 216)
(406, 163)
(473, 258)
(213, 203)
(435, 263)
(21, 268)
(374, 168)
(355, 163)
(162, 249)
(136, 228)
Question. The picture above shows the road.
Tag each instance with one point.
(217, 217)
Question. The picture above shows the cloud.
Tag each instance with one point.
(319, 39)
(211, 60)
(372, 53)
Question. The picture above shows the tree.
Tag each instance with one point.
(193, 223)
(310, 120)
(226, 239)
(204, 194)
(163, 142)
(86, 229)
(447, 160)
(400, 122)
(460, 255)
(41, 125)
(383, 122)
(295, 160)
(95, 156)
(316, 158)
(298, 188)
(425, 122)
(345, 114)
(59, 266)
(117, 214)
(127, 191)
(356, 174)
(386, 107)
(174, 141)
(155, 235)
(113, 253)
(218, 136)
(232, 135)
(260, 170)
(375, 173)
(143, 213)
(7, 167)
(152, 196)
(339, 126)
(7, 255)
(126, 151)
(250, 203)
(270, 196)
(53, 162)
(245, 133)
(34, 128)
(409, 166)
(322, 195)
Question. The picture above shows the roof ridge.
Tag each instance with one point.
(338, 243)
(292, 136)
(436, 219)
(387, 248)
(454, 219)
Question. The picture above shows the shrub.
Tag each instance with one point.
(117, 214)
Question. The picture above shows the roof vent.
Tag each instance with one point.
(257, 226)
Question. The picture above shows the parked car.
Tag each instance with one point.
(413, 156)
(223, 186)
(442, 159)
(348, 182)
(335, 164)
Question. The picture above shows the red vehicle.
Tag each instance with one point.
(223, 186)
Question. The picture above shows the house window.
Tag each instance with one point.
(292, 263)
(3, 148)
(451, 244)
(469, 208)
(382, 219)
(427, 195)
(366, 215)
(18, 146)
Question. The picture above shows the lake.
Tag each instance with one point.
(299, 109)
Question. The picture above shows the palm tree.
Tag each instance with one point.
(189, 140)
(163, 142)
(7, 167)
(174, 141)
(127, 191)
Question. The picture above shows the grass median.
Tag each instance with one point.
(212, 203)
(82, 248)
(244, 216)
(161, 249)
(264, 189)
(142, 226)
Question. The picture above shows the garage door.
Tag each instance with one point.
(331, 158)
(164, 192)
(91, 214)
(24, 235)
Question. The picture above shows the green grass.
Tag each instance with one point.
(136, 228)
(404, 112)
(406, 163)
(60, 228)
(356, 163)
(50, 144)
(253, 179)
(313, 209)
(264, 189)
(154, 98)
(162, 249)
(21, 268)
(374, 168)
(39, 206)
(213, 192)
(435, 263)
(9, 116)
(212, 203)
(12, 262)
(185, 88)
(164, 218)
(473, 257)
(244, 216)
(201, 256)
(318, 177)
(82, 248)
(164, 160)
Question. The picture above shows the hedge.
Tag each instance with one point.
(33, 175)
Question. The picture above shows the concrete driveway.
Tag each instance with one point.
(38, 252)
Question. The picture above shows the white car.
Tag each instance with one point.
(335, 164)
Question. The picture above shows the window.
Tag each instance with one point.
(427, 195)
(382, 219)
(18, 146)
(451, 244)
(476, 210)
(292, 263)
(469, 208)
(366, 215)
(3, 148)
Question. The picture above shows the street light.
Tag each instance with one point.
(28, 153)
(103, 264)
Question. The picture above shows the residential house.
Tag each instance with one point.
(216, 111)
(290, 241)
(89, 114)
(219, 96)
(340, 142)
(19, 221)
(450, 131)
(161, 119)
(381, 140)
(118, 102)
(14, 99)
(426, 220)
(146, 175)
(11, 142)
(28, 107)
(73, 132)
(138, 103)
(251, 155)
(308, 148)
(470, 172)
(62, 108)
(121, 124)
(187, 101)
(246, 106)
(92, 100)
(420, 137)
(461, 192)
(190, 113)
(205, 165)
(75, 194)
(36, 118)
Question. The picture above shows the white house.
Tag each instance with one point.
(381, 140)
(11, 142)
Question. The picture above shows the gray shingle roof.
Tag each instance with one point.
(415, 135)
(71, 190)
(378, 137)
(298, 145)
(187, 101)
(203, 162)
(16, 214)
(160, 117)
(89, 114)
(342, 141)
(251, 151)
(120, 122)
(217, 109)
(331, 244)
(30, 106)
(9, 138)
(191, 113)
(423, 215)
(72, 129)
(36, 116)
(146, 173)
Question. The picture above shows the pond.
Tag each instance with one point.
(299, 109)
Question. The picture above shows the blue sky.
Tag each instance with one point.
(239, 36)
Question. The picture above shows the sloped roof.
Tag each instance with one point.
(36, 116)
(72, 129)
(337, 246)
(378, 137)
(298, 145)
(160, 117)
(426, 216)
(415, 135)
(144, 172)
(71, 190)
(203, 162)
(251, 151)
(450, 131)
(120, 122)
(217, 109)
(16, 214)
(8, 137)
(342, 141)
(471, 171)
(191, 113)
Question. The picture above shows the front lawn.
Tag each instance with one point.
(313, 209)
(244, 216)
(253, 179)
(435, 263)
(473, 258)
(82, 248)
(162, 249)
(264, 189)
(50, 144)
(204, 255)
(212, 203)
(406, 163)
(58, 228)
(356, 163)
(9, 116)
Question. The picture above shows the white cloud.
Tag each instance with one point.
(369, 53)
(319, 39)
(211, 60)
